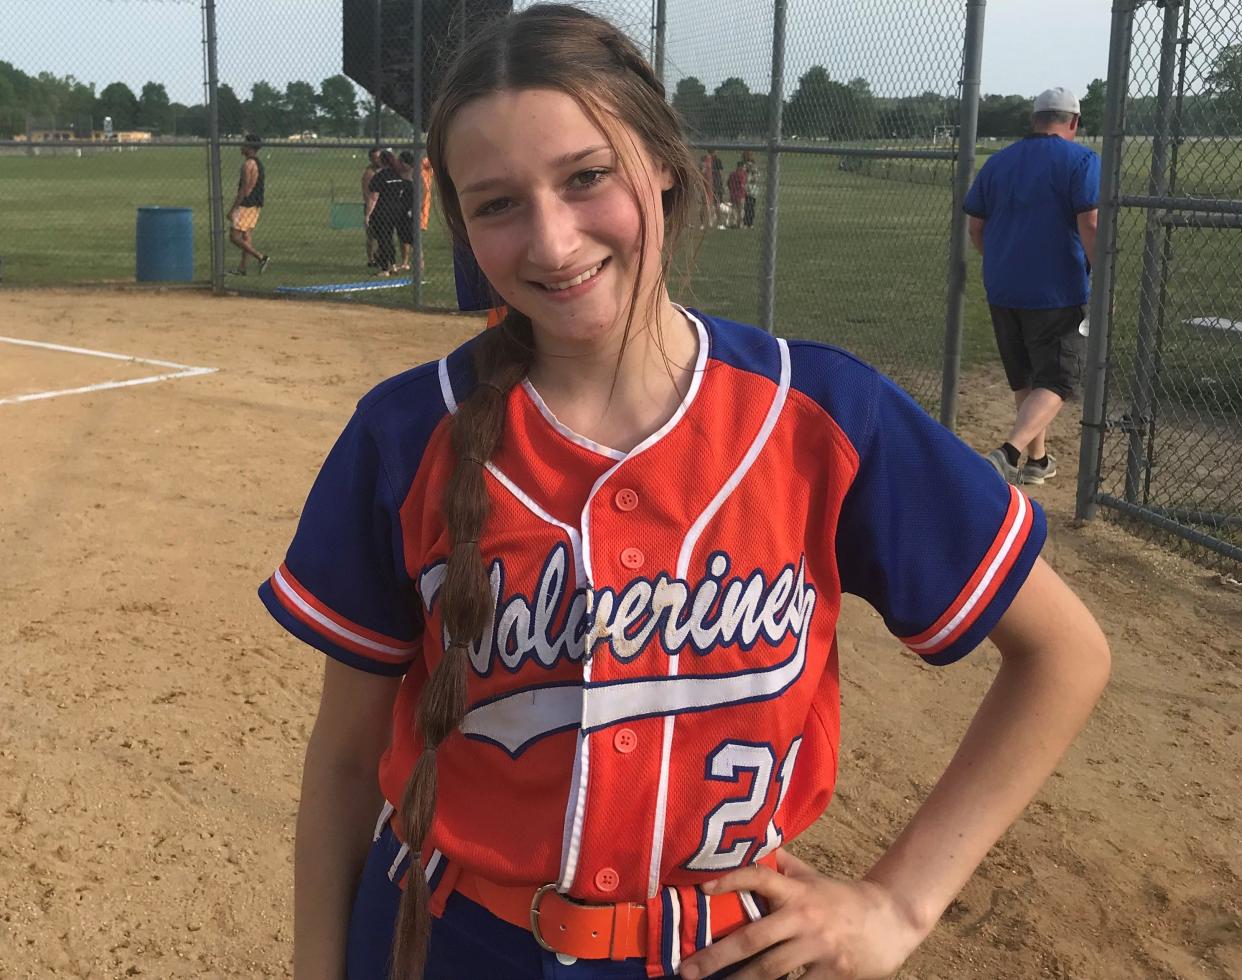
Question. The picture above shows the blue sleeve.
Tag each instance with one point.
(929, 534)
(343, 587)
(975, 203)
(1085, 184)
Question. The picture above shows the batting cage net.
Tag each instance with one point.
(1163, 406)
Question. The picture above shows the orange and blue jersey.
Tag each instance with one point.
(655, 699)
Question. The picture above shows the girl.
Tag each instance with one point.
(578, 583)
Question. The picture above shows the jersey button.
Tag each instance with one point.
(607, 879)
(632, 558)
(626, 499)
(625, 741)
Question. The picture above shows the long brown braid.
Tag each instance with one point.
(554, 47)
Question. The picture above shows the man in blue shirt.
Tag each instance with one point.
(1032, 214)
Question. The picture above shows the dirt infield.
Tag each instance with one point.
(153, 718)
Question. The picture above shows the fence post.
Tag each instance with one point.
(416, 118)
(967, 130)
(1100, 315)
(215, 192)
(1149, 295)
(660, 25)
(377, 71)
(776, 105)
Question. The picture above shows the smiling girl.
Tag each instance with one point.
(578, 583)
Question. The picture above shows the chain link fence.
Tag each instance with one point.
(840, 224)
(92, 134)
(1163, 412)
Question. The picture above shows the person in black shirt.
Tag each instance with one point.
(385, 211)
(373, 167)
(244, 211)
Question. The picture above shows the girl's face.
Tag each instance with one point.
(551, 218)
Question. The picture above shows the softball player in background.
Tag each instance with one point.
(579, 582)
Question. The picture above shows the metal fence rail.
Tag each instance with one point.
(1163, 411)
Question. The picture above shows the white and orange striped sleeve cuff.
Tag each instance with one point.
(300, 612)
(981, 602)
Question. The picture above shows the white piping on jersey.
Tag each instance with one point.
(575, 538)
(674, 928)
(596, 447)
(335, 629)
(446, 387)
(748, 904)
(396, 862)
(696, 380)
(385, 812)
(1018, 521)
(571, 835)
(433, 865)
(706, 926)
(575, 812)
(683, 566)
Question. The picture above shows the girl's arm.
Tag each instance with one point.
(1055, 663)
(340, 802)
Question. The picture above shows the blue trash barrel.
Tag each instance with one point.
(164, 244)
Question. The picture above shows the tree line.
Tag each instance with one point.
(45, 100)
(820, 107)
(824, 108)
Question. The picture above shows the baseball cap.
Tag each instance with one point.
(1057, 100)
(251, 140)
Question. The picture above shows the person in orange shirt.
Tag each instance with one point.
(405, 229)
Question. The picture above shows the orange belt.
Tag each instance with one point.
(588, 931)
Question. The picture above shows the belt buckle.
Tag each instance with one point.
(534, 915)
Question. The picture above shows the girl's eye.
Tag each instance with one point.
(496, 206)
(589, 178)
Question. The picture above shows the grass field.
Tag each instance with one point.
(862, 256)
(861, 262)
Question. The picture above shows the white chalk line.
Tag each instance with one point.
(181, 371)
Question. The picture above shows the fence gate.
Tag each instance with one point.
(1163, 403)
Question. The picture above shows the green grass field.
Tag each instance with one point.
(861, 262)
(862, 256)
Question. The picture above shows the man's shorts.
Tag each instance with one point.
(245, 219)
(1041, 348)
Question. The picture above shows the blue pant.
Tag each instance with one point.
(467, 942)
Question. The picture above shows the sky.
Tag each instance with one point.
(901, 46)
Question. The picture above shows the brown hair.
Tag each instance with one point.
(561, 48)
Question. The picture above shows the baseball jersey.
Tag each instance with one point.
(654, 700)
(1030, 195)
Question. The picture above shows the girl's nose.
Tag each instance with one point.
(554, 236)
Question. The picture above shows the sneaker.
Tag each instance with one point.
(1038, 474)
(263, 264)
(1000, 463)
(235, 272)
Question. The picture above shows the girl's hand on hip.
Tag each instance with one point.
(838, 930)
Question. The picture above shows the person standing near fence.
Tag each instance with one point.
(368, 199)
(386, 211)
(752, 189)
(244, 211)
(405, 227)
(1033, 209)
(737, 194)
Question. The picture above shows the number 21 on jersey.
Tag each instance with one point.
(729, 762)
